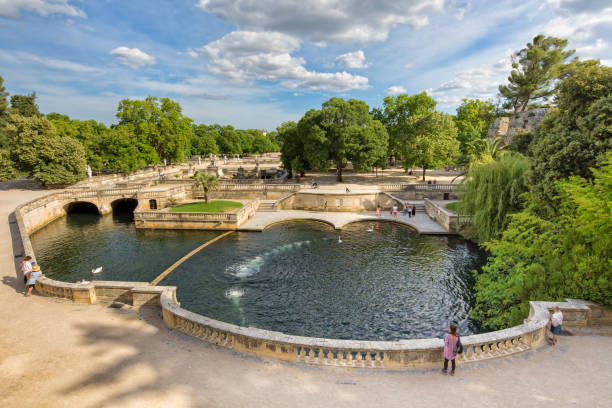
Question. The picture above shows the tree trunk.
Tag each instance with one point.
(424, 173)
(339, 171)
(206, 196)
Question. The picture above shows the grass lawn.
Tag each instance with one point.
(452, 206)
(215, 206)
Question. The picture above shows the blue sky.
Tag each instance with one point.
(257, 63)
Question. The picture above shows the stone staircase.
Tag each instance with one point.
(420, 207)
(266, 206)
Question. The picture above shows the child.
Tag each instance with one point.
(34, 275)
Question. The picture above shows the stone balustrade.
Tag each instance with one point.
(418, 187)
(258, 187)
(196, 220)
(419, 353)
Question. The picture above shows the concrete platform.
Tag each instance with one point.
(421, 222)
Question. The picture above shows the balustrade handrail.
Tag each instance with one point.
(190, 216)
(418, 187)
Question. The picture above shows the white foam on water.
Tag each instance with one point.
(251, 267)
(234, 293)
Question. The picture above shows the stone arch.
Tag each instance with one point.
(378, 219)
(124, 204)
(299, 219)
(82, 207)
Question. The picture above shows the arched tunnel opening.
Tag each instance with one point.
(123, 209)
(82, 207)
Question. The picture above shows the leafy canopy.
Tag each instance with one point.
(491, 192)
(159, 128)
(473, 120)
(39, 152)
(534, 71)
(577, 135)
(428, 141)
(396, 110)
(342, 131)
(567, 254)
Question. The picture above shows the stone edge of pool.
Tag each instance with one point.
(415, 353)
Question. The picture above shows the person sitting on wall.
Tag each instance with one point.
(32, 277)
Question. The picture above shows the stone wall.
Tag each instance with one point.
(507, 127)
(342, 202)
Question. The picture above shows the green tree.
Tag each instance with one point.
(521, 142)
(7, 167)
(204, 140)
(88, 133)
(205, 182)
(25, 105)
(491, 192)
(429, 141)
(3, 101)
(262, 144)
(158, 125)
(3, 116)
(117, 151)
(473, 120)
(229, 141)
(39, 152)
(577, 135)
(565, 255)
(535, 68)
(396, 110)
(342, 131)
(292, 149)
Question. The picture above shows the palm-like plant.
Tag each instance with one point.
(206, 182)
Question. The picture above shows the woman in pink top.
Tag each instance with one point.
(450, 344)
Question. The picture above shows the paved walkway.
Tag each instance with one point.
(57, 354)
(421, 222)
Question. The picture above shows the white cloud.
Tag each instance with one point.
(353, 60)
(132, 57)
(325, 20)
(588, 25)
(395, 90)
(194, 87)
(31, 59)
(11, 8)
(245, 56)
(480, 82)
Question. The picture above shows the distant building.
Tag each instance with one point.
(263, 131)
(506, 127)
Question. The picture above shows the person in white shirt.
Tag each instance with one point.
(26, 267)
(556, 320)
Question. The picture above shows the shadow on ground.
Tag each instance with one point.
(129, 370)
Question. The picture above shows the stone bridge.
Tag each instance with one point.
(103, 201)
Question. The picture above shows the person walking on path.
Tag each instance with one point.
(378, 211)
(414, 210)
(395, 211)
(325, 206)
(450, 349)
(556, 320)
(26, 267)
(33, 276)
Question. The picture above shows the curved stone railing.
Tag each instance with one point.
(418, 187)
(320, 351)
